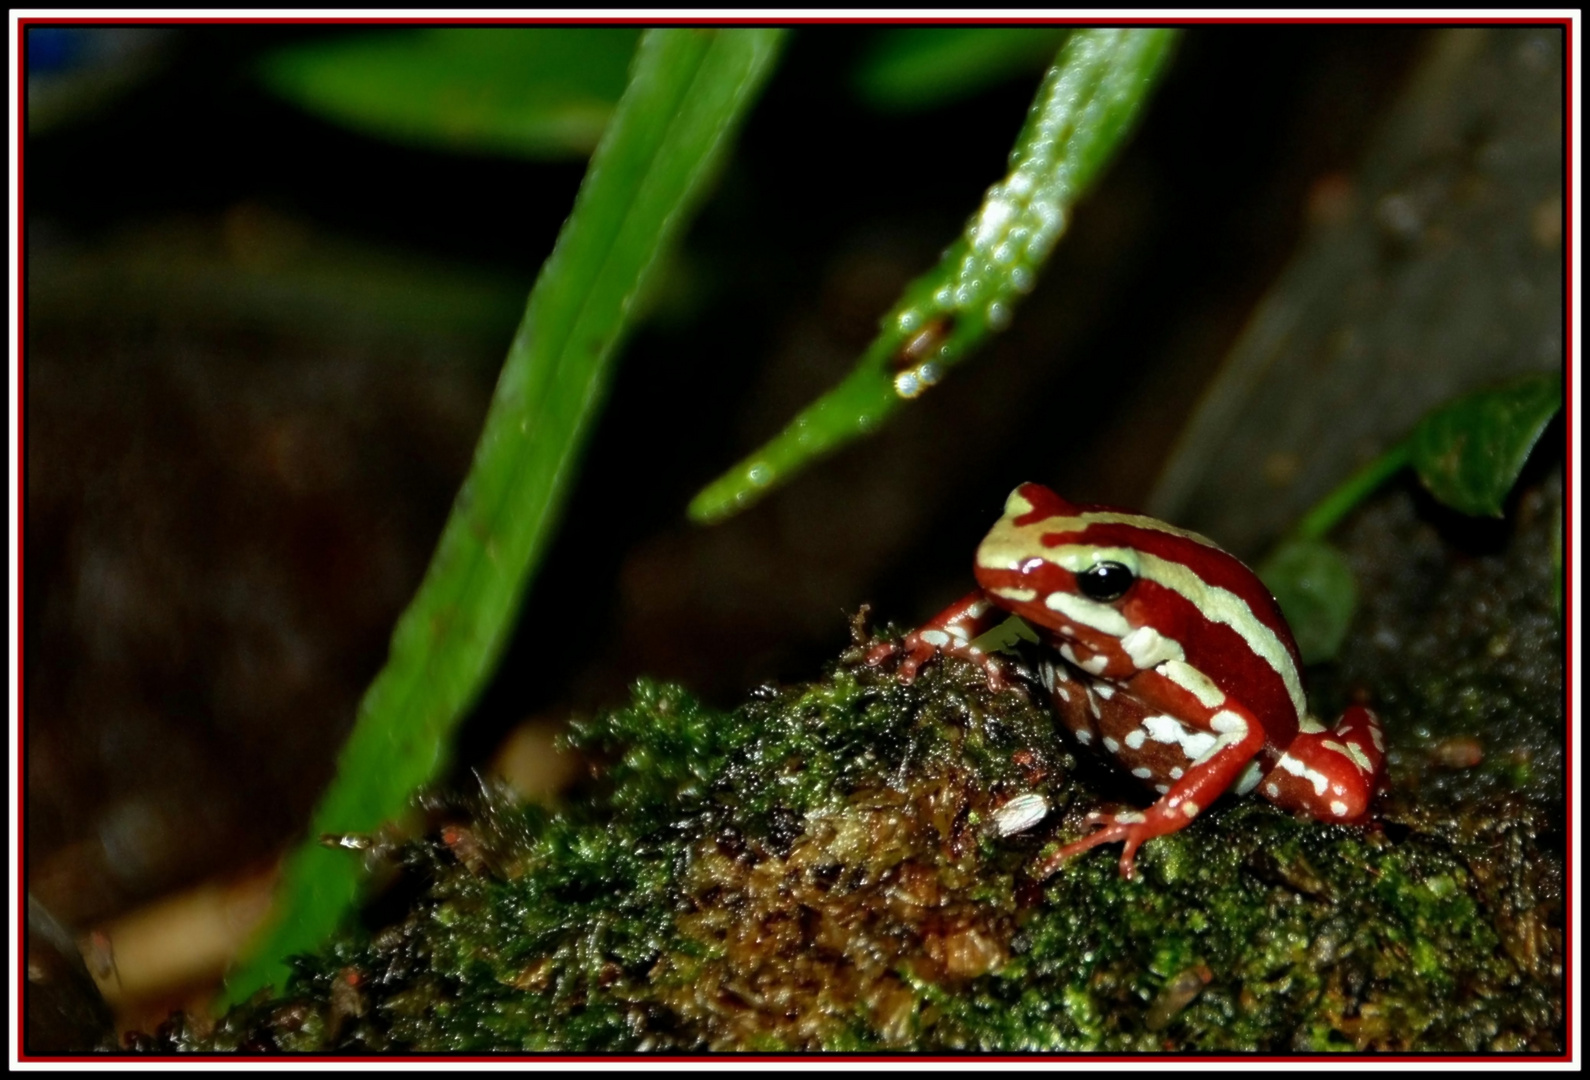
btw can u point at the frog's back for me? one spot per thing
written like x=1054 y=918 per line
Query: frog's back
x=1189 y=589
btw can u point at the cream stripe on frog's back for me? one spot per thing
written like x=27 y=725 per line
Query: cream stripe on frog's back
x=1227 y=608
x=1007 y=544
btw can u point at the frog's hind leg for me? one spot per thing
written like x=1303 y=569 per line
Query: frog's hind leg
x=1330 y=775
x=1227 y=749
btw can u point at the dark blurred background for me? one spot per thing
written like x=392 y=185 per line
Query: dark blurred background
x=259 y=346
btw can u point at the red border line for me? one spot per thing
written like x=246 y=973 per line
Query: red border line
x=1569 y=597
x=21 y=455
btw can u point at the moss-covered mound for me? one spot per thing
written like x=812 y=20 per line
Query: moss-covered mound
x=827 y=868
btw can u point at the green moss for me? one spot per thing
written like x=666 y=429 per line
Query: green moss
x=816 y=870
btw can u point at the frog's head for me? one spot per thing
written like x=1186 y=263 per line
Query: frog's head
x=1039 y=543
x=1128 y=592
x=1037 y=563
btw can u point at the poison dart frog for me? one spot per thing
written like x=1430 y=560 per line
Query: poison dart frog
x=1174 y=658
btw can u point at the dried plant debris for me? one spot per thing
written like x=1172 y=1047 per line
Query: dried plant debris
x=830 y=867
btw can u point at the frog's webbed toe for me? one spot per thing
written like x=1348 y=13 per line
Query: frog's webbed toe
x=950 y=631
x=1130 y=826
x=912 y=651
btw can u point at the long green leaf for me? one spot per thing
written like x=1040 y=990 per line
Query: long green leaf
x=536 y=92
x=1082 y=114
x=918 y=67
x=687 y=92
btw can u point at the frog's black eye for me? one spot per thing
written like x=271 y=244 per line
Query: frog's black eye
x=1105 y=581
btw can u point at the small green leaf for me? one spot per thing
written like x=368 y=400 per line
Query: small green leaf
x=1470 y=451
x=919 y=67
x=535 y=92
x=1005 y=636
x=1315 y=588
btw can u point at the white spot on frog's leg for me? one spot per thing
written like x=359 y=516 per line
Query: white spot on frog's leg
x=937 y=638
x=1148 y=648
x=1374 y=732
x=1310 y=725
x=1338 y=808
x=978 y=609
x=1095 y=665
x=1021 y=596
x=1189 y=809
x=1093 y=705
x=1297 y=768
x=1101 y=617
x=1194 y=682
x=1135 y=737
x=1199 y=746
x=1175 y=772
x=1351 y=751
x=1104 y=690
x=1167 y=729
x=959 y=633
x=1142 y=773
x=1228 y=723
x=1084 y=736
x=1230 y=727
x=1272 y=790
x=1111 y=745
x=1162 y=788
x=1130 y=817
x=1064 y=696
x=1249 y=779
x=1066 y=651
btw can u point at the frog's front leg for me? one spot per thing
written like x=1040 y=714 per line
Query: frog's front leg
x=1330 y=775
x=1238 y=738
x=950 y=631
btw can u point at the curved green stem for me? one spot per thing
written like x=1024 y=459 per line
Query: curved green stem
x=1335 y=506
x=1082 y=114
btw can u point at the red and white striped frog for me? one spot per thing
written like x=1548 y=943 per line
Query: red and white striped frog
x=1176 y=661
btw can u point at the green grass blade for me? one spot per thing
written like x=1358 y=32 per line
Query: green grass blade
x=687 y=91
x=1083 y=112
x=919 y=67
x=536 y=92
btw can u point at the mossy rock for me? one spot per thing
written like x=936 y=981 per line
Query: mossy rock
x=823 y=868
